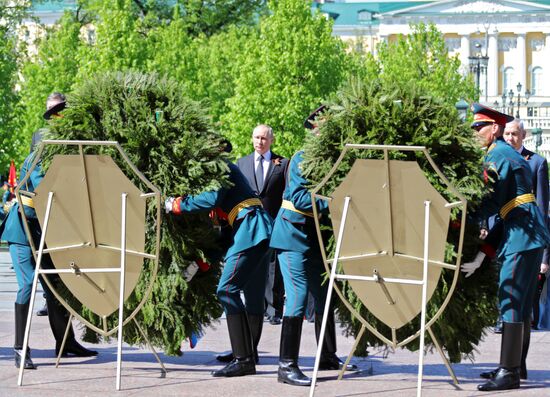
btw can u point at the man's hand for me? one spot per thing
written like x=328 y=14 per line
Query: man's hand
x=483 y=233
x=470 y=267
x=544 y=267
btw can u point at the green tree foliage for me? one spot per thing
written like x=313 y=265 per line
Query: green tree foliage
x=52 y=69
x=283 y=74
x=422 y=57
x=152 y=36
x=207 y=66
x=121 y=40
x=11 y=15
x=382 y=107
x=171 y=141
x=211 y=17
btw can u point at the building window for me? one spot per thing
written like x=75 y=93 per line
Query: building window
x=508 y=79
x=364 y=16
x=536 y=81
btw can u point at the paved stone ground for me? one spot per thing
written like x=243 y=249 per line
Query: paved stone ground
x=189 y=375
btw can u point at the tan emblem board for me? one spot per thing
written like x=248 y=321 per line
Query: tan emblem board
x=87 y=209
x=389 y=219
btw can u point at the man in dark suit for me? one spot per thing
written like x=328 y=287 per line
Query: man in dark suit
x=514 y=134
x=265 y=172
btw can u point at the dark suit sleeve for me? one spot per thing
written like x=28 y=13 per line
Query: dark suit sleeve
x=542 y=190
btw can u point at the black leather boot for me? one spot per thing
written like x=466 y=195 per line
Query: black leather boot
x=21 y=313
x=289 y=372
x=525 y=348
x=256 y=323
x=329 y=359
x=507 y=375
x=58 y=317
x=241 y=344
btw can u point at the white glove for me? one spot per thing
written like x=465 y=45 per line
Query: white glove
x=470 y=267
x=190 y=271
x=169 y=204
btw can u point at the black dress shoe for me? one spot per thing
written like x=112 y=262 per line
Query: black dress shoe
x=488 y=374
x=227 y=358
x=332 y=362
x=492 y=374
x=237 y=367
x=504 y=379
x=43 y=311
x=74 y=348
x=290 y=373
x=275 y=320
x=28 y=364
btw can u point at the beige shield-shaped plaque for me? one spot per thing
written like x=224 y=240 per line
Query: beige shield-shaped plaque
x=384 y=231
x=84 y=229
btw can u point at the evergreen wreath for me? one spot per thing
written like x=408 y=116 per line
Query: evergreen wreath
x=170 y=139
x=385 y=112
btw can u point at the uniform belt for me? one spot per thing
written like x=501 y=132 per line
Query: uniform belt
x=251 y=202
x=27 y=201
x=516 y=202
x=287 y=205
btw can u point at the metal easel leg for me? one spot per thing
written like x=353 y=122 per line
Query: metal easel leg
x=121 y=295
x=34 y=287
x=329 y=295
x=443 y=357
x=69 y=324
x=424 y=297
x=350 y=355
x=164 y=371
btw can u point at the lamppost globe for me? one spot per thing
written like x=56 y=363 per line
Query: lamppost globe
x=462 y=108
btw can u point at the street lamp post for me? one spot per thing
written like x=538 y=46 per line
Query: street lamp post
x=519 y=103
x=537 y=135
x=514 y=101
x=478 y=64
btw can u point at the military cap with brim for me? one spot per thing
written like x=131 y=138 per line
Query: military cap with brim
x=485 y=115
x=312 y=116
x=57 y=106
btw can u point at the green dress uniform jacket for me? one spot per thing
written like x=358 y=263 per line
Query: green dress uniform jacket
x=294 y=230
x=523 y=227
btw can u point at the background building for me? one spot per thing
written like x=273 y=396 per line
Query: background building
x=505 y=45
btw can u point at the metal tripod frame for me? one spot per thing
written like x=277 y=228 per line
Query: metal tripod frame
x=332 y=269
x=38 y=254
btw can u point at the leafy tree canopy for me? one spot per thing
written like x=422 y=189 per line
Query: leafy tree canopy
x=283 y=74
x=11 y=16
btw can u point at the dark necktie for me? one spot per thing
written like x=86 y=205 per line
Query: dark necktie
x=260 y=173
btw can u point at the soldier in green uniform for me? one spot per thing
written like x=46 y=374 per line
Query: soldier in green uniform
x=295 y=241
x=12 y=231
x=523 y=237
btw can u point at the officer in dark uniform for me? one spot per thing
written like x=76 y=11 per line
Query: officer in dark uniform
x=245 y=268
x=12 y=231
x=295 y=240
x=523 y=237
